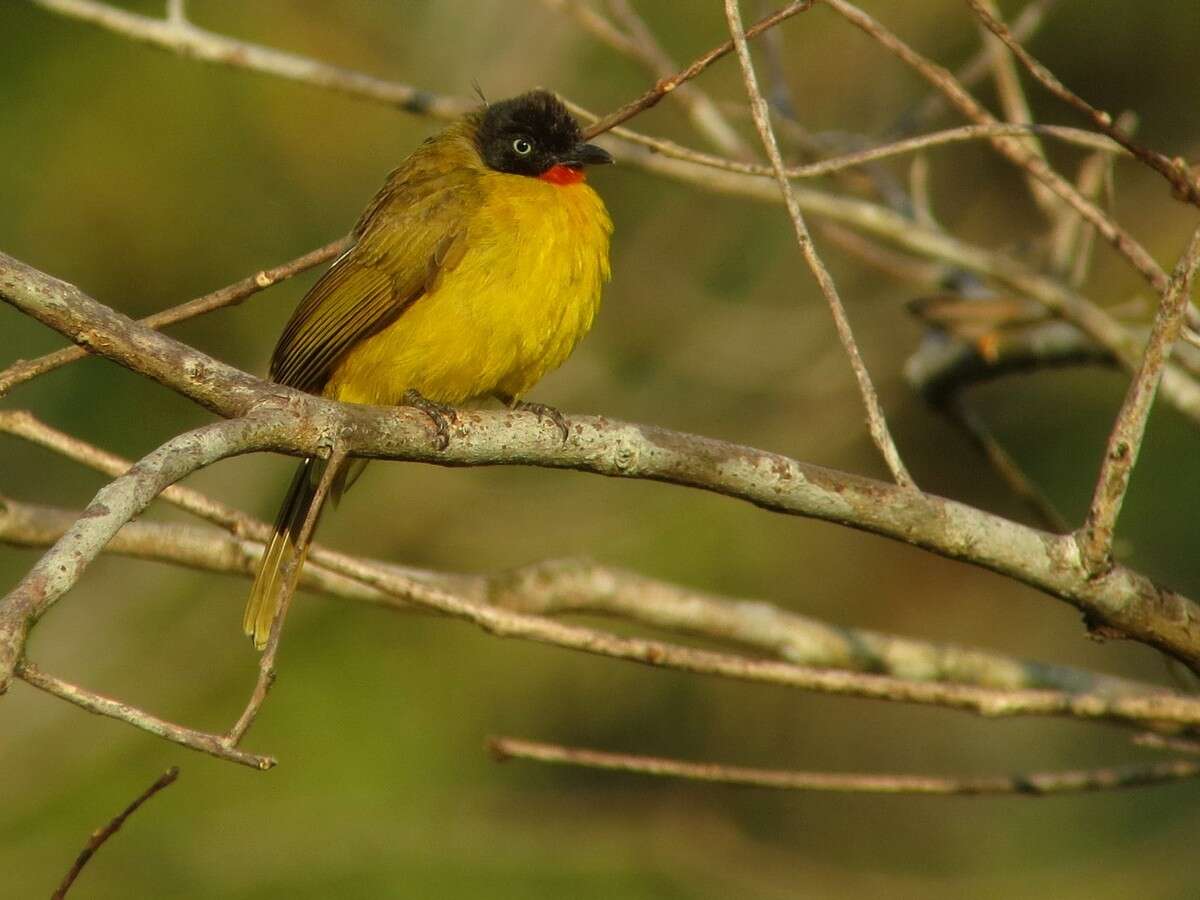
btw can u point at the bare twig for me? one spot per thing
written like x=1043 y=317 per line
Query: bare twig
x=1004 y=465
x=180 y=36
x=876 y=420
x=1024 y=26
x=704 y=113
x=25 y=370
x=639 y=44
x=1125 y=442
x=1176 y=171
x=1016 y=110
x=100 y=835
x=668 y=84
x=1031 y=784
x=211 y=744
x=1009 y=148
x=290 y=577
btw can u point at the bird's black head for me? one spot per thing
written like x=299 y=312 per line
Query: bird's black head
x=531 y=134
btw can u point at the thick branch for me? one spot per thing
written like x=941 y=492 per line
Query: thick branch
x=1122 y=599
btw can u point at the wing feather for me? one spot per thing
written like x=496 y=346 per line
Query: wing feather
x=413 y=232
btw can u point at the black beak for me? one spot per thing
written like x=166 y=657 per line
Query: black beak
x=585 y=155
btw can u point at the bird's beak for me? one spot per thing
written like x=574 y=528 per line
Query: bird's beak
x=585 y=155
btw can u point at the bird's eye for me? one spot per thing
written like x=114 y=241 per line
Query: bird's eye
x=522 y=146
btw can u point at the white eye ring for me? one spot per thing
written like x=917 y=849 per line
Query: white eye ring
x=522 y=146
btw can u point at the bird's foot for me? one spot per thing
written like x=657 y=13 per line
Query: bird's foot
x=542 y=411
x=442 y=416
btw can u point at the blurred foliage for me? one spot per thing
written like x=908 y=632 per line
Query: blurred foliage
x=148 y=179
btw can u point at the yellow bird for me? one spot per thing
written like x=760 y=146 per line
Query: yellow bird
x=475 y=271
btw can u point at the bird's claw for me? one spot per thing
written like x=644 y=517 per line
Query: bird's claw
x=442 y=416
x=542 y=411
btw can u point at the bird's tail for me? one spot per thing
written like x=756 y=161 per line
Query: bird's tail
x=267 y=592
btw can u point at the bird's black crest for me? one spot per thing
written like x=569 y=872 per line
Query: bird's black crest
x=537 y=120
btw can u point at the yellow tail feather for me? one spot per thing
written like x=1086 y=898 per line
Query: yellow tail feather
x=267 y=592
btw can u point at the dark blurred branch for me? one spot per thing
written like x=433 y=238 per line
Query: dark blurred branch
x=1016 y=110
x=1176 y=170
x=1030 y=784
x=876 y=420
x=96 y=841
x=563 y=587
x=1124 y=601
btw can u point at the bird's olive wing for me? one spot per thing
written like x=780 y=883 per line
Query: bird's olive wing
x=411 y=234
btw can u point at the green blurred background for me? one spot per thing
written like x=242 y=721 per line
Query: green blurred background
x=148 y=179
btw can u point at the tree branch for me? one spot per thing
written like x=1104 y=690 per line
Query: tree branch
x=876 y=419
x=1176 y=171
x=563 y=587
x=1123 y=600
x=212 y=744
x=1125 y=441
x=182 y=37
x=96 y=841
x=1031 y=784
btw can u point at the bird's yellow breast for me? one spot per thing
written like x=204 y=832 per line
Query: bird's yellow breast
x=524 y=291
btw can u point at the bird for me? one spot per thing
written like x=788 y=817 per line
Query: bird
x=475 y=270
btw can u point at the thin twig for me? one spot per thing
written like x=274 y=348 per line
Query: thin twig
x=1024 y=26
x=876 y=420
x=100 y=835
x=843 y=162
x=93 y=702
x=666 y=85
x=181 y=36
x=25 y=370
x=1125 y=441
x=704 y=113
x=1071 y=241
x=974 y=427
x=290 y=577
x=639 y=44
x=1016 y=110
x=1176 y=171
x=1009 y=148
x=1031 y=784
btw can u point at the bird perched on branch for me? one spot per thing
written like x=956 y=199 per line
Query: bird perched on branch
x=475 y=271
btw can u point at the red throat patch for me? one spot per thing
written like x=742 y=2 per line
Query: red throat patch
x=562 y=175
